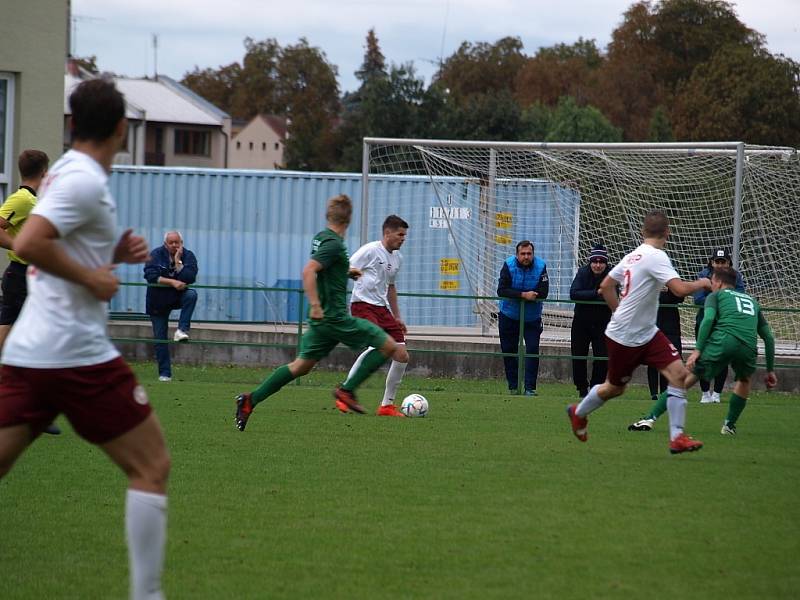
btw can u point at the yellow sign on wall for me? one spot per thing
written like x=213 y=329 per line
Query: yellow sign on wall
x=448 y=284
x=503 y=220
x=449 y=266
x=503 y=240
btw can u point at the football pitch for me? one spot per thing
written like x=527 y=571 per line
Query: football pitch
x=490 y=496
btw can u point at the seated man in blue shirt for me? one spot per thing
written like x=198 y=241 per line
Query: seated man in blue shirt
x=522 y=277
x=174 y=266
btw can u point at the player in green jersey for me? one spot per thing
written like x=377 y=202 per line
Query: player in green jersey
x=727 y=336
x=325 y=279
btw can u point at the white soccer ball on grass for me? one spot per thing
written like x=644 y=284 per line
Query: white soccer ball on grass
x=414 y=405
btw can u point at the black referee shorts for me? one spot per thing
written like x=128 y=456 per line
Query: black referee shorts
x=15 y=290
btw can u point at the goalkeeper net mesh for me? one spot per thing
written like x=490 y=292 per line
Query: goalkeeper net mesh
x=469 y=205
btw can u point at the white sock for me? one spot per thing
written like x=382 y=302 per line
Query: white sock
x=393 y=379
x=676 y=408
x=590 y=403
x=358 y=362
x=146 y=529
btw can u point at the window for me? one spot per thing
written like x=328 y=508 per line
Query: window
x=238 y=145
x=277 y=146
x=190 y=141
x=251 y=145
x=263 y=145
x=6 y=133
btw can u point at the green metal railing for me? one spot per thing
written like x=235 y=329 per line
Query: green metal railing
x=520 y=354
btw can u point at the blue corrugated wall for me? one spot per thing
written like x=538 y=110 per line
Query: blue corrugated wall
x=254 y=228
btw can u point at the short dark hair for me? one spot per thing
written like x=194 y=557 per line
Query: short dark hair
x=655 y=224
x=97 y=107
x=727 y=275
x=32 y=163
x=524 y=244
x=393 y=223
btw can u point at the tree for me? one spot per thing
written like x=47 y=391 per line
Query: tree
x=307 y=89
x=535 y=123
x=374 y=65
x=739 y=95
x=481 y=68
x=255 y=90
x=561 y=70
x=660 y=126
x=216 y=86
x=572 y=123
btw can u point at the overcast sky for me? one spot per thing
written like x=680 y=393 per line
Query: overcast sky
x=209 y=33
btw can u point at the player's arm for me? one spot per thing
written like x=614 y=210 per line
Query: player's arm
x=679 y=287
x=7 y=212
x=391 y=294
x=36 y=244
x=608 y=290
x=765 y=333
x=310 y=288
x=543 y=286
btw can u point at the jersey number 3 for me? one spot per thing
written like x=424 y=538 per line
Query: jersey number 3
x=743 y=305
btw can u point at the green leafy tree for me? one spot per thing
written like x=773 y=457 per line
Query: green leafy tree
x=306 y=86
x=535 y=123
x=572 y=123
x=215 y=85
x=739 y=95
x=660 y=126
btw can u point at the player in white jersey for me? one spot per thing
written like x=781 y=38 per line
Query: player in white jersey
x=632 y=336
x=58 y=359
x=375 y=298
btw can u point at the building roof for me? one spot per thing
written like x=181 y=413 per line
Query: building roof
x=163 y=103
x=132 y=111
x=161 y=100
x=274 y=122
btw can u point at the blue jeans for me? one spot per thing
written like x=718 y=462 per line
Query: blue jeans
x=509 y=339
x=161 y=325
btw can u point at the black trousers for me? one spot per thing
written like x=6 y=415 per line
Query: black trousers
x=587 y=333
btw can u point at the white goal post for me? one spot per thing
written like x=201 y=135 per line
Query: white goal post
x=469 y=203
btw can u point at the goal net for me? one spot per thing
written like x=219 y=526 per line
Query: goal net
x=469 y=203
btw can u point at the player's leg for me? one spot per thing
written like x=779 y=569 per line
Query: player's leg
x=355 y=332
x=508 y=330
x=743 y=361
x=142 y=455
x=13 y=441
x=533 y=334
x=579 y=346
x=662 y=354
x=394 y=377
x=622 y=360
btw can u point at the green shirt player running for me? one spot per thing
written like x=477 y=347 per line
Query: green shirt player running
x=329 y=322
x=727 y=336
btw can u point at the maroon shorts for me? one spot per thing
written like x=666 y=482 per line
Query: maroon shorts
x=623 y=360
x=101 y=401
x=381 y=316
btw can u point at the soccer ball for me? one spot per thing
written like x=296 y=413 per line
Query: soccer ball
x=414 y=405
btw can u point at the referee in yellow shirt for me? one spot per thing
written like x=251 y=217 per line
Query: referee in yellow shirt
x=14 y=212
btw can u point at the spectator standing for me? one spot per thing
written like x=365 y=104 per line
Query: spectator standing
x=174 y=267
x=589 y=320
x=522 y=277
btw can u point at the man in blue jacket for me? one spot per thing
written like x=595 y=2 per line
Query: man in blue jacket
x=174 y=266
x=589 y=321
x=522 y=277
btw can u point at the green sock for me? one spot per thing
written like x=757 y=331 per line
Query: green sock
x=369 y=365
x=659 y=408
x=279 y=378
x=735 y=407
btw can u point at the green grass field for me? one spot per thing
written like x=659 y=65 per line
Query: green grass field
x=489 y=497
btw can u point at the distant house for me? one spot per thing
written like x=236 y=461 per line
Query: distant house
x=258 y=144
x=169 y=125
